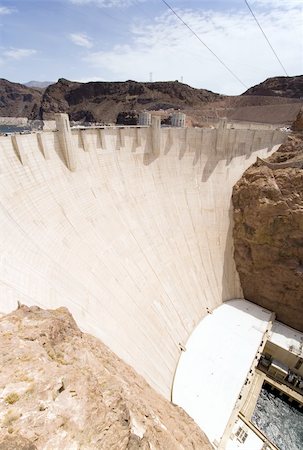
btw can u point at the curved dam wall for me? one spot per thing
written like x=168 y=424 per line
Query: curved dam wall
x=130 y=228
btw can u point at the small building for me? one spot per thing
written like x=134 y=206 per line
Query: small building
x=145 y=118
x=178 y=120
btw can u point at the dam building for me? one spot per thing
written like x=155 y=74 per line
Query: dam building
x=178 y=120
x=130 y=228
x=144 y=118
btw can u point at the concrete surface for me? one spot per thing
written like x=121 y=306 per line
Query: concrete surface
x=287 y=338
x=219 y=355
x=128 y=227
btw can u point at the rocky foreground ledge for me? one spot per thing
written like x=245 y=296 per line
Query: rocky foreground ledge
x=63 y=389
x=268 y=231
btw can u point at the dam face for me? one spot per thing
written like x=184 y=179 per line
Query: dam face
x=129 y=228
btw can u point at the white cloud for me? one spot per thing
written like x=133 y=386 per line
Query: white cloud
x=19 y=53
x=168 y=49
x=81 y=39
x=88 y=79
x=285 y=4
x=5 y=10
x=106 y=3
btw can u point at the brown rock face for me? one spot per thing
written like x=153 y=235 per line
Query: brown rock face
x=268 y=232
x=98 y=101
x=107 y=102
x=103 y=101
x=291 y=87
x=17 y=100
x=63 y=389
x=298 y=123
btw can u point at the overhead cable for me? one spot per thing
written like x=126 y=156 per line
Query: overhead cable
x=203 y=43
x=273 y=50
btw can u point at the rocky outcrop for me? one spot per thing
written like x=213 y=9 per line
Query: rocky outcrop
x=298 y=123
x=108 y=102
x=268 y=232
x=98 y=101
x=127 y=118
x=17 y=100
x=291 y=87
x=63 y=389
x=103 y=101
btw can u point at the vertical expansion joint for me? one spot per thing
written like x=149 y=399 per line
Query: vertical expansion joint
x=156 y=122
x=66 y=140
x=42 y=145
x=156 y=134
x=102 y=138
x=16 y=147
x=138 y=137
x=221 y=135
x=83 y=140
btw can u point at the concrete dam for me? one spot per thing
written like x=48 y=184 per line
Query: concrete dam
x=130 y=228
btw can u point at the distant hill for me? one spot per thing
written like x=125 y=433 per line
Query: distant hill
x=38 y=84
x=105 y=101
x=17 y=100
x=291 y=87
x=250 y=108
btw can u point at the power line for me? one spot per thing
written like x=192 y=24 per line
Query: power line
x=266 y=37
x=203 y=43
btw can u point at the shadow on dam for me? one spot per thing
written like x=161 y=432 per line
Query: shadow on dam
x=226 y=144
x=128 y=227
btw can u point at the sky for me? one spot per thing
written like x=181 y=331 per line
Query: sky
x=118 y=40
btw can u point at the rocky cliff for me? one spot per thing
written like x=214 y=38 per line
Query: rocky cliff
x=268 y=232
x=298 y=123
x=291 y=87
x=17 y=100
x=98 y=101
x=63 y=389
x=103 y=101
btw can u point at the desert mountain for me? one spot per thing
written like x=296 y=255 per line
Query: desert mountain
x=268 y=231
x=291 y=87
x=17 y=100
x=103 y=102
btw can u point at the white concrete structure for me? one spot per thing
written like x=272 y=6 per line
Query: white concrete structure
x=178 y=120
x=287 y=338
x=18 y=121
x=219 y=355
x=49 y=125
x=130 y=228
x=145 y=118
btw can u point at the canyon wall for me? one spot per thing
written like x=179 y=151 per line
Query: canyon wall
x=268 y=232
